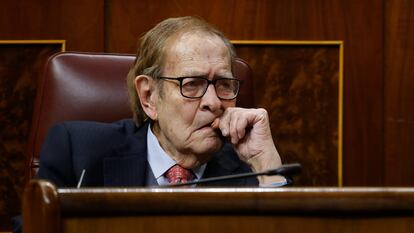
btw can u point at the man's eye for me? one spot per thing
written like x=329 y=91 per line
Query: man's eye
x=225 y=85
x=193 y=82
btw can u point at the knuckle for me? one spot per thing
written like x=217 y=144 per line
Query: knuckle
x=263 y=112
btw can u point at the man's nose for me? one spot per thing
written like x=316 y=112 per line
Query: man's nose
x=210 y=100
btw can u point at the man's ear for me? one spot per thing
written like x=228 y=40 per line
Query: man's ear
x=145 y=87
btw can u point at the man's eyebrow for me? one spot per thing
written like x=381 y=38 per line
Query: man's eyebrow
x=223 y=76
x=193 y=73
x=227 y=75
x=193 y=76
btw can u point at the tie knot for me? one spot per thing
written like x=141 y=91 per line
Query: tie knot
x=177 y=174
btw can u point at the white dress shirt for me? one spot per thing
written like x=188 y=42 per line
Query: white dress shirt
x=160 y=161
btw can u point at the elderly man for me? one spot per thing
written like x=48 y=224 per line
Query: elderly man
x=185 y=127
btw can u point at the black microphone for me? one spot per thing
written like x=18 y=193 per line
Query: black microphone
x=284 y=170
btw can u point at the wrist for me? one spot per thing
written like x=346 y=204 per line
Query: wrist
x=269 y=159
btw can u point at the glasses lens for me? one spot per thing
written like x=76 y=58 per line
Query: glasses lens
x=193 y=87
x=227 y=88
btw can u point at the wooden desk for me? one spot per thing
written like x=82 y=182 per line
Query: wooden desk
x=197 y=210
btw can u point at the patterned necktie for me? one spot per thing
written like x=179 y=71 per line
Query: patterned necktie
x=177 y=174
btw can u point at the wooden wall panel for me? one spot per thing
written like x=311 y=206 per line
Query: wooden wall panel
x=358 y=23
x=399 y=101
x=299 y=86
x=20 y=68
x=80 y=23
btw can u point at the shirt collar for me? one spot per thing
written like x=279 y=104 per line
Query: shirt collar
x=160 y=161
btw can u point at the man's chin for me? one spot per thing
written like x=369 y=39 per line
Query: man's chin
x=206 y=149
x=210 y=145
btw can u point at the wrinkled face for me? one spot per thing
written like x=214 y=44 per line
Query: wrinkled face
x=183 y=125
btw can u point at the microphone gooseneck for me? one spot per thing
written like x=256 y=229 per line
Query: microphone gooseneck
x=284 y=170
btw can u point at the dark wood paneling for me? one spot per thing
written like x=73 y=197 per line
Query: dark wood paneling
x=80 y=23
x=20 y=67
x=399 y=104
x=358 y=23
x=298 y=84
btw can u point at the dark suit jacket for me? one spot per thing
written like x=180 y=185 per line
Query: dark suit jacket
x=115 y=155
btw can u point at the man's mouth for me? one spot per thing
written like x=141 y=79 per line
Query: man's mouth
x=211 y=127
x=211 y=124
x=216 y=130
x=208 y=125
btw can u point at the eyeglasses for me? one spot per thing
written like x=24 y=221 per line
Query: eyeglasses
x=196 y=87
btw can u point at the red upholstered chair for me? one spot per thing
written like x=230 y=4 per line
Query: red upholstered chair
x=91 y=86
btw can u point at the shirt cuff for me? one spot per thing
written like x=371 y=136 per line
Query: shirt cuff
x=275 y=184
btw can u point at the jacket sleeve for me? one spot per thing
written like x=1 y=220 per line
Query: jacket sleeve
x=56 y=163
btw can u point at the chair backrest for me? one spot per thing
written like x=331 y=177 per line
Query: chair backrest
x=92 y=86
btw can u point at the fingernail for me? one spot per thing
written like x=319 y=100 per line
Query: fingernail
x=234 y=140
x=215 y=123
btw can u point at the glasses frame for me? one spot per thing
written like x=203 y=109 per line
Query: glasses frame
x=180 y=79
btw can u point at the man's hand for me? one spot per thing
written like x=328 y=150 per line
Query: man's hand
x=249 y=132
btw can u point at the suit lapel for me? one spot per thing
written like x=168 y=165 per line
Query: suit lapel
x=127 y=165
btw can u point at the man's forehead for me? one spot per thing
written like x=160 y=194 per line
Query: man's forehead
x=196 y=54
x=222 y=69
x=195 y=44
